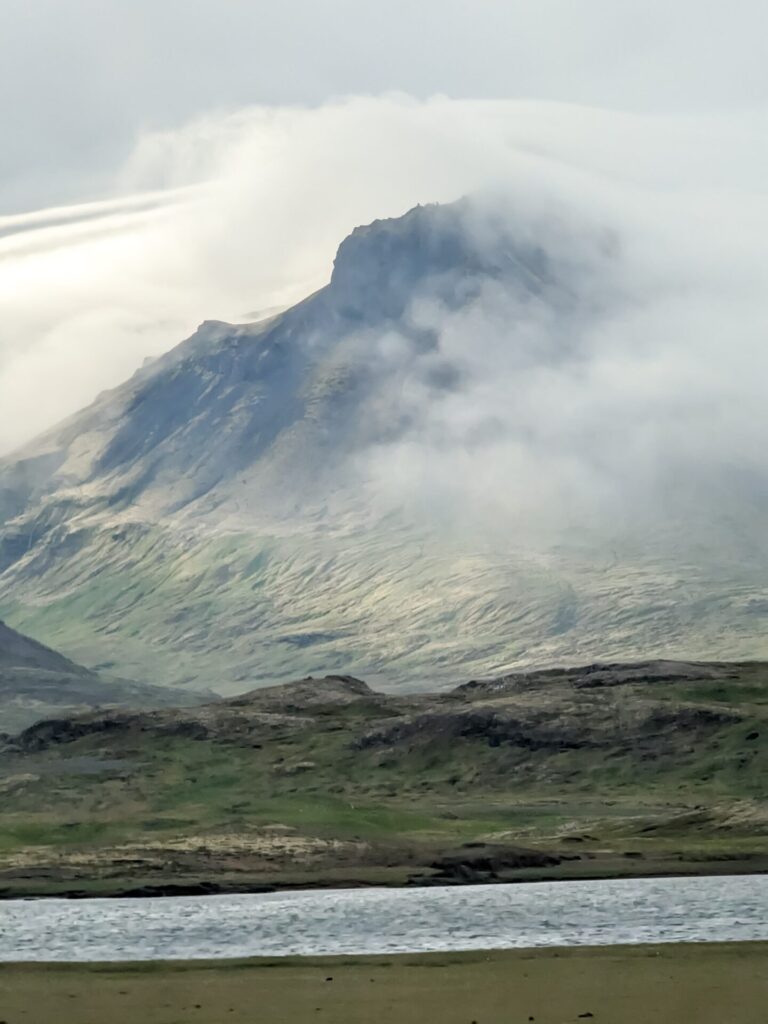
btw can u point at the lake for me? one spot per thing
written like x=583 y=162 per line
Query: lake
x=358 y=921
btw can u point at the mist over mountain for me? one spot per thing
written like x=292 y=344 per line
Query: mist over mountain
x=490 y=440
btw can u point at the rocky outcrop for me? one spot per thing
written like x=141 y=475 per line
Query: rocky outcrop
x=307 y=694
x=480 y=862
x=494 y=726
x=605 y=675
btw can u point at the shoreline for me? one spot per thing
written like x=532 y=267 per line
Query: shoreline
x=211 y=887
x=425 y=959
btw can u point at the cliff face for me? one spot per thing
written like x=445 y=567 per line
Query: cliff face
x=249 y=506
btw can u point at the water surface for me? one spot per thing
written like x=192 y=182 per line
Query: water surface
x=388 y=920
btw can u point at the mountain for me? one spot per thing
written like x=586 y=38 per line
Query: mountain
x=400 y=476
x=603 y=770
x=37 y=682
x=21 y=652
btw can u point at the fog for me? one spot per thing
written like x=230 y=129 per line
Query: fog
x=636 y=406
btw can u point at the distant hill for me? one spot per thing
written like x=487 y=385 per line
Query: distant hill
x=18 y=651
x=378 y=480
x=37 y=682
x=605 y=770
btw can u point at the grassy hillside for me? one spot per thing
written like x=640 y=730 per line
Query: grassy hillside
x=605 y=770
x=193 y=605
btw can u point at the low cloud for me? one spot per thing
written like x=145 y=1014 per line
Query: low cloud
x=634 y=410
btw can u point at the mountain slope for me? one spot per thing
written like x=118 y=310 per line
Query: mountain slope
x=366 y=482
x=37 y=682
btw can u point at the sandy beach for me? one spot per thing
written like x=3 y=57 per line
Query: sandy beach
x=664 y=984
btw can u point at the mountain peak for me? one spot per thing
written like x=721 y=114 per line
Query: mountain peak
x=437 y=250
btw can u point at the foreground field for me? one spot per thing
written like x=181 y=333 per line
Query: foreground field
x=668 y=984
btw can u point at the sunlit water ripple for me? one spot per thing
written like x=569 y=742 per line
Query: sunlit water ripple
x=388 y=920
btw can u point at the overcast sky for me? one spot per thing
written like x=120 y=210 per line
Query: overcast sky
x=80 y=80
x=206 y=156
